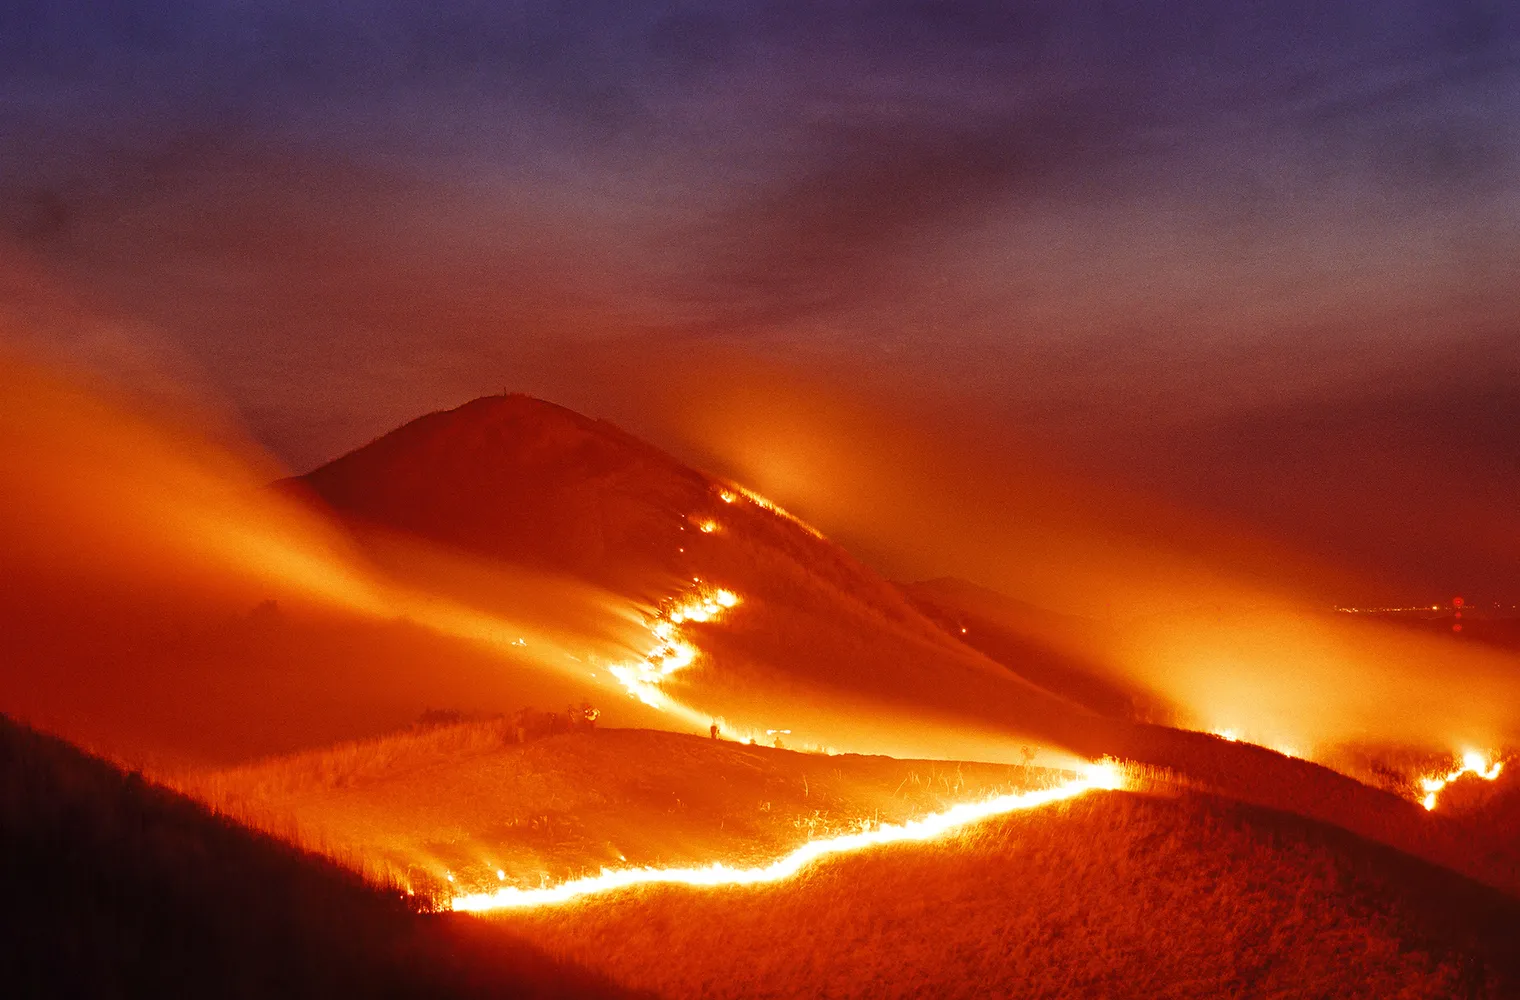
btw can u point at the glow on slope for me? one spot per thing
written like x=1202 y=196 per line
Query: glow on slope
x=729 y=496
x=671 y=653
x=1472 y=763
x=1097 y=776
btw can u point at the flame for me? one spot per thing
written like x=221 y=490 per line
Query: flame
x=1098 y=776
x=672 y=653
x=1473 y=762
x=728 y=496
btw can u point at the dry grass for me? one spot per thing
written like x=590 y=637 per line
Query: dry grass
x=462 y=800
x=1119 y=895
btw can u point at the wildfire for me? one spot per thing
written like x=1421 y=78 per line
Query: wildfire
x=1097 y=776
x=670 y=653
x=729 y=495
x=1472 y=763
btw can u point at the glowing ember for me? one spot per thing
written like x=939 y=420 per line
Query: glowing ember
x=708 y=527
x=1472 y=763
x=1097 y=776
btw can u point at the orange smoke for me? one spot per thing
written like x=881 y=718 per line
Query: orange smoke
x=137 y=543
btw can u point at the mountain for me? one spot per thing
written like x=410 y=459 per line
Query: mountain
x=819 y=644
x=117 y=887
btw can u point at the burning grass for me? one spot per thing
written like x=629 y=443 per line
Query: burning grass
x=466 y=801
x=1114 y=895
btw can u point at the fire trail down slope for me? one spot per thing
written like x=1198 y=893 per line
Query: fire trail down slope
x=117 y=887
x=1114 y=895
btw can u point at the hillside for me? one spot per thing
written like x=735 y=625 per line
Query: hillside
x=117 y=887
x=467 y=800
x=819 y=644
x=1115 y=895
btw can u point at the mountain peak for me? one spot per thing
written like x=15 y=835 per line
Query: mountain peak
x=527 y=481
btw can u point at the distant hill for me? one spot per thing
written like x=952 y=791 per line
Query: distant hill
x=116 y=887
x=1060 y=652
x=821 y=645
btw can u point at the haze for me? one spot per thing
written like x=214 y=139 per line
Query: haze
x=1247 y=262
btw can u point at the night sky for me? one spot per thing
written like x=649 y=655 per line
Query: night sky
x=1249 y=265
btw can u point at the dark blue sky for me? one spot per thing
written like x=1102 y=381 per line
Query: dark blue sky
x=1260 y=259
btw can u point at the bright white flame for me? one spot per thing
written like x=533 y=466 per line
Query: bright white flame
x=1105 y=776
x=1473 y=762
x=671 y=654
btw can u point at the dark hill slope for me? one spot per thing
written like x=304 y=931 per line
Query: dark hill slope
x=530 y=482
x=116 y=887
x=1113 y=896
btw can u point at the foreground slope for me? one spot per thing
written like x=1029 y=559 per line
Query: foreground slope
x=468 y=801
x=115 y=887
x=1115 y=895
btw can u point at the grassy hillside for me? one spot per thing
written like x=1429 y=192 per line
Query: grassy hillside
x=466 y=800
x=1115 y=895
x=117 y=887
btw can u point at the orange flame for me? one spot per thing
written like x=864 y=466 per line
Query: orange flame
x=671 y=653
x=1473 y=762
x=728 y=496
x=1105 y=776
